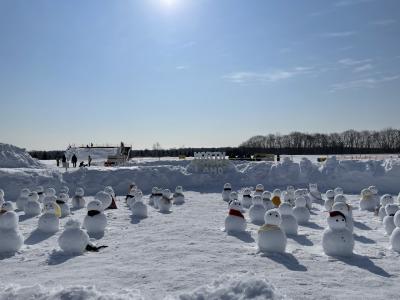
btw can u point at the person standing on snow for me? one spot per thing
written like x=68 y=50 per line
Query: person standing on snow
x=74 y=160
x=89 y=160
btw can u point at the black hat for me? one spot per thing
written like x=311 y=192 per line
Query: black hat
x=336 y=213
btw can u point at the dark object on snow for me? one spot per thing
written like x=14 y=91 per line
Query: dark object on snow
x=89 y=160
x=113 y=204
x=278 y=157
x=64 y=159
x=234 y=212
x=93 y=248
x=92 y=213
x=82 y=164
x=74 y=160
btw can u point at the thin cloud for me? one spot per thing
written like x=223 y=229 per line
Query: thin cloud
x=344 y=3
x=265 y=77
x=370 y=83
x=341 y=34
x=353 y=62
x=385 y=22
x=182 y=67
x=363 y=68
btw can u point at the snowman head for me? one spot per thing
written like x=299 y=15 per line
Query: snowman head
x=64 y=190
x=300 y=202
x=273 y=217
x=246 y=192
x=9 y=220
x=40 y=189
x=1 y=193
x=33 y=196
x=257 y=200
x=290 y=189
x=236 y=205
x=330 y=194
x=285 y=209
x=227 y=186
x=49 y=199
x=259 y=188
x=179 y=189
x=154 y=190
x=276 y=193
x=132 y=185
x=233 y=196
x=138 y=195
x=50 y=207
x=386 y=199
x=7 y=206
x=50 y=192
x=338 y=191
x=95 y=205
x=25 y=192
x=391 y=209
x=109 y=190
x=72 y=224
x=336 y=220
x=340 y=198
x=288 y=199
x=341 y=207
x=298 y=193
x=104 y=198
x=63 y=197
x=266 y=195
x=373 y=189
x=80 y=192
x=166 y=193
x=366 y=193
x=397 y=219
x=313 y=187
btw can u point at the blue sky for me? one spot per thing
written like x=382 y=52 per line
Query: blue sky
x=194 y=72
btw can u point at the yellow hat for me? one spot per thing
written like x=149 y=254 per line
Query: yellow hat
x=276 y=200
x=57 y=209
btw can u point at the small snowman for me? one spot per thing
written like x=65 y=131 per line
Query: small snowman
x=266 y=198
x=179 y=197
x=62 y=201
x=385 y=200
x=257 y=211
x=395 y=236
x=287 y=198
x=375 y=194
x=337 y=240
x=32 y=206
x=235 y=221
x=309 y=201
x=300 y=211
x=314 y=193
x=367 y=201
x=345 y=209
x=158 y=196
x=109 y=190
x=247 y=200
x=23 y=198
x=234 y=196
x=165 y=202
x=136 y=195
x=271 y=238
x=290 y=191
x=388 y=220
x=48 y=199
x=338 y=191
x=1 y=197
x=105 y=199
x=330 y=200
x=259 y=190
x=50 y=192
x=226 y=192
x=64 y=190
x=41 y=193
x=78 y=201
x=49 y=221
x=289 y=222
x=11 y=240
x=152 y=197
x=138 y=208
x=95 y=221
x=73 y=240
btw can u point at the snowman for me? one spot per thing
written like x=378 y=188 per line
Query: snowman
x=165 y=202
x=338 y=191
x=49 y=221
x=109 y=190
x=314 y=193
x=73 y=240
x=367 y=201
x=345 y=209
x=179 y=197
x=343 y=199
x=78 y=201
x=157 y=197
x=257 y=211
x=105 y=199
x=375 y=194
x=50 y=192
x=1 y=197
x=11 y=240
x=289 y=222
x=62 y=202
x=226 y=192
x=395 y=236
x=41 y=193
x=32 y=206
x=388 y=220
x=154 y=191
x=300 y=211
x=290 y=190
x=64 y=190
x=337 y=240
x=247 y=200
x=287 y=198
x=235 y=221
x=266 y=198
x=23 y=198
x=385 y=200
x=138 y=208
x=271 y=238
x=330 y=200
x=95 y=221
x=234 y=196
x=259 y=190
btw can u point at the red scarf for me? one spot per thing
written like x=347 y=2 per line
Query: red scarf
x=234 y=212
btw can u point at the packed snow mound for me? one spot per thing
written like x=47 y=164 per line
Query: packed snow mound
x=39 y=292
x=14 y=157
x=234 y=289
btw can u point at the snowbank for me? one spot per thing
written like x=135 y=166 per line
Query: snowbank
x=14 y=157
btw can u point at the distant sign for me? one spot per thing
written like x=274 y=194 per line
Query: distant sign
x=210 y=162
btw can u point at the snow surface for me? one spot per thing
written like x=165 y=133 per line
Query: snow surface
x=185 y=255
x=14 y=157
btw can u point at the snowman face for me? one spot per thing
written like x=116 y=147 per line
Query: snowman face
x=233 y=196
x=72 y=224
x=330 y=194
x=337 y=222
x=257 y=200
x=277 y=192
x=80 y=192
x=179 y=190
x=138 y=195
x=64 y=190
x=300 y=202
x=259 y=187
x=266 y=195
x=290 y=189
x=391 y=209
x=246 y=192
x=285 y=209
x=298 y=193
x=342 y=207
x=227 y=186
x=25 y=192
x=154 y=190
x=63 y=197
x=366 y=193
x=397 y=219
x=95 y=205
x=386 y=199
x=7 y=206
x=50 y=192
x=373 y=189
x=40 y=189
x=50 y=207
x=167 y=193
x=273 y=217
x=50 y=199
x=109 y=190
x=313 y=187
x=338 y=191
x=340 y=198
x=33 y=196
x=235 y=204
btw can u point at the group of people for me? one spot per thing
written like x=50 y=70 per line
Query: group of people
x=74 y=161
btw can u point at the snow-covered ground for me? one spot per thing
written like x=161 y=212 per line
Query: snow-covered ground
x=186 y=255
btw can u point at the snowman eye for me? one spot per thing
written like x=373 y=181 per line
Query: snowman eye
x=337 y=220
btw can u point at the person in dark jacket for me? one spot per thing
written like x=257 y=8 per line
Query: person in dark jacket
x=74 y=160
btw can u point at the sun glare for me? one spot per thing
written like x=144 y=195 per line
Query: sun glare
x=168 y=2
